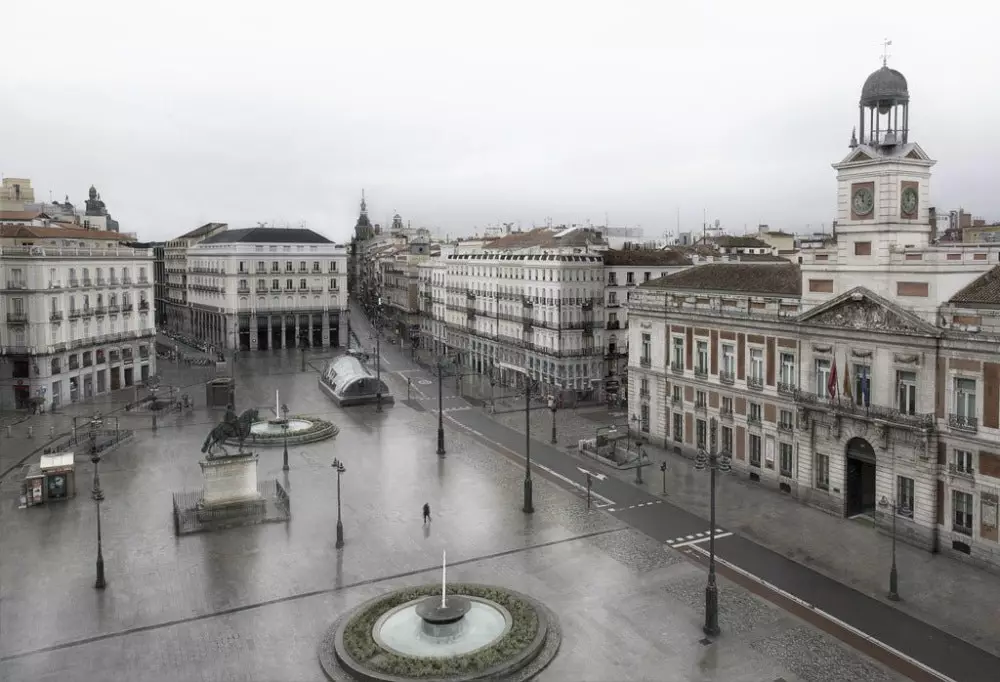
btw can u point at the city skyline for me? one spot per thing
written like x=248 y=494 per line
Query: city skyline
x=642 y=117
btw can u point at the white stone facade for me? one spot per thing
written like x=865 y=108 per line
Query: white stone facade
x=77 y=317
x=259 y=295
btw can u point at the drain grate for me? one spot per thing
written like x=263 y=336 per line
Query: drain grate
x=705 y=641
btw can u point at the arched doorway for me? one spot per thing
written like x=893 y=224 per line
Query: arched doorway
x=860 y=485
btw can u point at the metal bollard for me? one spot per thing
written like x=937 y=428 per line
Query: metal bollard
x=154 y=423
x=52 y=432
x=8 y=432
x=31 y=432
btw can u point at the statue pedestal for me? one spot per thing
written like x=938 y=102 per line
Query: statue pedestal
x=230 y=480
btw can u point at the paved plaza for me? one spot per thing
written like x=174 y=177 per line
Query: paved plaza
x=251 y=603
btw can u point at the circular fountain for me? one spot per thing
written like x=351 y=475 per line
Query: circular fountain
x=295 y=430
x=473 y=632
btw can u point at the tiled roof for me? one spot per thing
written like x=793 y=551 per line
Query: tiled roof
x=984 y=290
x=58 y=231
x=783 y=279
x=760 y=258
x=201 y=231
x=645 y=257
x=269 y=235
x=697 y=250
x=22 y=215
x=745 y=242
x=547 y=237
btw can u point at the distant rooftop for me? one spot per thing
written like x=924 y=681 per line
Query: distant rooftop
x=544 y=237
x=730 y=242
x=268 y=235
x=784 y=278
x=637 y=257
x=201 y=231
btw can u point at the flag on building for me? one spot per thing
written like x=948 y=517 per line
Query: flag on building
x=831 y=384
x=847 y=383
x=866 y=388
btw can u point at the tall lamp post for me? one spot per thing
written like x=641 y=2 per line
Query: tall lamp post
x=713 y=461
x=552 y=407
x=378 y=356
x=440 y=373
x=894 y=509
x=493 y=385
x=529 y=506
x=339 y=466
x=98 y=495
x=284 y=454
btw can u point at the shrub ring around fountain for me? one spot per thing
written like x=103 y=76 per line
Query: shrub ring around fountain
x=319 y=429
x=349 y=650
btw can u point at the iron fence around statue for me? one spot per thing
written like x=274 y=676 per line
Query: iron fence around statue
x=191 y=516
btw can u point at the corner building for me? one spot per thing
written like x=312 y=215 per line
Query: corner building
x=865 y=380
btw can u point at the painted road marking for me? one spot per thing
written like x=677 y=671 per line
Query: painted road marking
x=599 y=477
x=425 y=382
x=820 y=612
x=544 y=468
x=634 y=506
x=691 y=543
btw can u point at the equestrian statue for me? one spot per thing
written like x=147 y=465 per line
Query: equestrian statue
x=230 y=427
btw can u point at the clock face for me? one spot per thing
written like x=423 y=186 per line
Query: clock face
x=864 y=201
x=909 y=201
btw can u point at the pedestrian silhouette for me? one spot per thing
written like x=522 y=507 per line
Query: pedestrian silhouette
x=427 y=513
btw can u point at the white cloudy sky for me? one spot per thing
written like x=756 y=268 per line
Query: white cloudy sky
x=461 y=114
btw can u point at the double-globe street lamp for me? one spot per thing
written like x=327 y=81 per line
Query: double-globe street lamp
x=713 y=461
x=98 y=496
x=895 y=509
x=339 y=466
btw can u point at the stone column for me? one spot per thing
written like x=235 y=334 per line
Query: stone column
x=326 y=328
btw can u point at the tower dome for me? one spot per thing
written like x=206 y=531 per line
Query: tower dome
x=884 y=88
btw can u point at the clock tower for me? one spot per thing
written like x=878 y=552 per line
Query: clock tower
x=883 y=184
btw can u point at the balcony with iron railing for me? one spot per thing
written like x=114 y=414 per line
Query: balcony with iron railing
x=644 y=393
x=962 y=422
x=726 y=414
x=727 y=378
x=787 y=388
x=677 y=401
x=100 y=311
x=755 y=383
x=645 y=362
x=957 y=471
x=869 y=413
x=785 y=426
x=753 y=420
x=101 y=282
x=614 y=324
x=143 y=306
x=701 y=371
x=74 y=313
x=17 y=317
x=56 y=316
x=87 y=282
x=73 y=282
x=700 y=406
x=677 y=369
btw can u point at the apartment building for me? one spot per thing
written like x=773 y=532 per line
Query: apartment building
x=76 y=312
x=267 y=288
x=178 y=312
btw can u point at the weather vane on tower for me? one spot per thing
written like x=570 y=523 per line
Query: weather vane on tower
x=885 y=51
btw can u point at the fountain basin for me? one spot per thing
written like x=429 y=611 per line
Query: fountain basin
x=360 y=644
x=403 y=630
x=301 y=429
x=275 y=427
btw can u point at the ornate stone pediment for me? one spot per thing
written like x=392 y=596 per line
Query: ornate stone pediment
x=863 y=310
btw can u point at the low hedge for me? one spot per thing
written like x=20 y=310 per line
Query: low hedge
x=362 y=647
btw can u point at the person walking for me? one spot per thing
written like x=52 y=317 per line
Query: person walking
x=427 y=513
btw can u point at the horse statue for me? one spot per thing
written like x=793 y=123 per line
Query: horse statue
x=230 y=427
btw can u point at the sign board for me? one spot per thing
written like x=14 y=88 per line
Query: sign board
x=612 y=385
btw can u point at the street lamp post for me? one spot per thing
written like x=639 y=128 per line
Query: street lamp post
x=895 y=509
x=378 y=356
x=339 y=466
x=440 y=448
x=552 y=407
x=284 y=455
x=98 y=496
x=493 y=384
x=529 y=506
x=714 y=461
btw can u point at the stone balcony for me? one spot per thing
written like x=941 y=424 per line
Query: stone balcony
x=871 y=413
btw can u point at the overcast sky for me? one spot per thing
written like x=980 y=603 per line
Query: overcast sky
x=462 y=114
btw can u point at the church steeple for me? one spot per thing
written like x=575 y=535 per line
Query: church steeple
x=363 y=228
